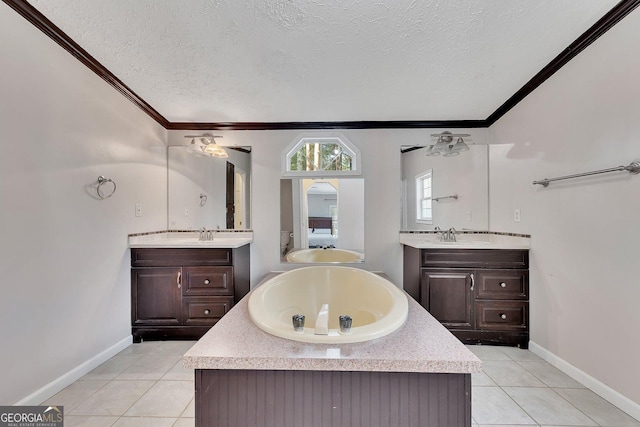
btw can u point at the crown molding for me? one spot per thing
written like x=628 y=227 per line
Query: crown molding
x=604 y=24
x=393 y=124
x=41 y=22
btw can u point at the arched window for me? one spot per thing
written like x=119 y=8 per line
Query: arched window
x=321 y=155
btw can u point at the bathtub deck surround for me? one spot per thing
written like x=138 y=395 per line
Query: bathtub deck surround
x=421 y=361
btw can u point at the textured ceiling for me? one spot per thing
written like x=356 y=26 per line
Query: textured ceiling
x=324 y=60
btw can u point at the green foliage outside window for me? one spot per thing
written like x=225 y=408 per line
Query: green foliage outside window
x=319 y=156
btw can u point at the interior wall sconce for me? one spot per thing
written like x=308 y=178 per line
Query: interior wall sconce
x=448 y=144
x=206 y=144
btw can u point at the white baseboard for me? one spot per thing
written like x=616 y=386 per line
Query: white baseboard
x=76 y=373
x=598 y=387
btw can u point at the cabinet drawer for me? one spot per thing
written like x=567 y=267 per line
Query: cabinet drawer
x=207 y=281
x=475 y=258
x=179 y=257
x=205 y=311
x=502 y=284
x=502 y=315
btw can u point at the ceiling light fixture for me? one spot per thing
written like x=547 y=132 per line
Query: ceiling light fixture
x=207 y=145
x=444 y=144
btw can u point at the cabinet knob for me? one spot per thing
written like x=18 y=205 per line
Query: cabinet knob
x=503 y=285
x=207 y=311
x=503 y=316
x=206 y=281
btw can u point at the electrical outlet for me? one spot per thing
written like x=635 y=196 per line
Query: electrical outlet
x=186 y=211
x=138 y=209
x=516 y=215
x=468 y=215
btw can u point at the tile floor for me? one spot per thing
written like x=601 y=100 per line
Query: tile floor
x=146 y=385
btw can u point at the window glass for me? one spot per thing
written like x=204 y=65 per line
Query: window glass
x=424 y=189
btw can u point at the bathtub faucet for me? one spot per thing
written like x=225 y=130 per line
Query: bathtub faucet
x=322 y=321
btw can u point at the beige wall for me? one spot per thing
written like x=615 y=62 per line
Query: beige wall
x=64 y=258
x=585 y=233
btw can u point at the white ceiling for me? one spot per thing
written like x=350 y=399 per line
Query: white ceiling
x=324 y=60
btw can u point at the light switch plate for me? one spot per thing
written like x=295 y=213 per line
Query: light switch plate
x=516 y=215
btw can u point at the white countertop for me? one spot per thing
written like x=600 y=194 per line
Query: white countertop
x=190 y=239
x=466 y=240
x=422 y=344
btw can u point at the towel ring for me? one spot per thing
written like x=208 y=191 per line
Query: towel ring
x=101 y=181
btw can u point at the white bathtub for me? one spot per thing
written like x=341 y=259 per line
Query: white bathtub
x=324 y=255
x=376 y=305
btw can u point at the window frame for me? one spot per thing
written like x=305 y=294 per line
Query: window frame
x=419 y=180
x=325 y=138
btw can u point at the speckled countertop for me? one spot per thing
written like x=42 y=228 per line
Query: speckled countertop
x=190 y=239
x=421 y=345
x=466 y=240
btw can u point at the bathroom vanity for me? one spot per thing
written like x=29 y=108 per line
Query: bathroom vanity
x=477 y=287
x=181 y=286
x=419 y=375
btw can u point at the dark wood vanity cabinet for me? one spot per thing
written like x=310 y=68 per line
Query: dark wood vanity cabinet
x=480 y=295
x=181 y=293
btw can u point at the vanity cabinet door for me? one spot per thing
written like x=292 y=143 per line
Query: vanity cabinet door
x=448 y=295
x=156 y=296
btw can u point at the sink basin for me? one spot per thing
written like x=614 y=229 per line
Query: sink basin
x=376 y=305
x=462 y=242
x=324 y=255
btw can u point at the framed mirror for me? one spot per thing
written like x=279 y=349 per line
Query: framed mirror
x=457 y=194
x=206 y=191
x=321 y=220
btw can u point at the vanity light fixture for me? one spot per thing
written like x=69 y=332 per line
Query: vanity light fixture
x=208 y=145
x=445 y=146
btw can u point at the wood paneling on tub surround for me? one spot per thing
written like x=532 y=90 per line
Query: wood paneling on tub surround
x=614 y=16
x=251 y=398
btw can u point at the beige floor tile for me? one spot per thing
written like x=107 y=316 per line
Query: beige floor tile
x=147 y=347
x=190 y=411
x=149 y=367
x=88 y=421
x=508 y=373
x=75 y=394
x=144 y=422
x=487 y=352
x=603 y=412
x=550 y=375
x=115 y=398
x=164 y=399
x=112 y=367
x=179 y=373
x=185 y=422
x=519 y=354
x=173 y=348
x=546 y=406
x=481 y=379
x=491 y=405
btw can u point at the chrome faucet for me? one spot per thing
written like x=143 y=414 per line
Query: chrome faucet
x=206 y=234
x=448 y=235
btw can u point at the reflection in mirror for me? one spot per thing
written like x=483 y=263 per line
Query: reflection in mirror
x=209 y=192
x=464 y=176
x=323 y=217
